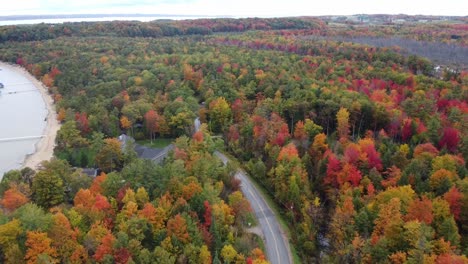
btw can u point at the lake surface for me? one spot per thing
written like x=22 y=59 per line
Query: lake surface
x=22 y=114
x=93 y=19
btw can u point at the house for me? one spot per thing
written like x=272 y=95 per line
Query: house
x=144 y=152
x=147 y=152
x=91 y=172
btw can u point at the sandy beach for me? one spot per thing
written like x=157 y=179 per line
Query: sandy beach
x=44 y=149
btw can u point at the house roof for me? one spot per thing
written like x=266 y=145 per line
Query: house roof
x=144 y=152
x=90 y=171
x=147 y=152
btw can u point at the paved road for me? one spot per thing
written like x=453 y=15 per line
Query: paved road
x=276 y=243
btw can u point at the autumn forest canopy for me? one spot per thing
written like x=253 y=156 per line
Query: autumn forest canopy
x=361 y=146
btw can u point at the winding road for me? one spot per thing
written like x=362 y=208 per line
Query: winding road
x=276 y=243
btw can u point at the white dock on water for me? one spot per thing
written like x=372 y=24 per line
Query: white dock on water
x=20 y=138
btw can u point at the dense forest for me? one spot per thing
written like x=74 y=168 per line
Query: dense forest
x=362 y=148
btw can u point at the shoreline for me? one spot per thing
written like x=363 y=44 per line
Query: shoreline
x=44 y=148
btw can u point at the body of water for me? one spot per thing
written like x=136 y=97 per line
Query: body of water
x=92 y=19
x=22 y=115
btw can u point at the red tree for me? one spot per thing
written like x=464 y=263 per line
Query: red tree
x=420 y=210
x=450 y=139
x=454 y=198
x=237 y=111
x=288 y=153
x=101 y=203
x=82 y=123
x=207 y=214
x=13 y=199
x=105 y=248
x=122 y=256
x=349 y=173
x=177 y=226
x=333 y=168
x=151 y=122
x=352 y=153
x=54 y=72
x=407 y=129
x=198 y=136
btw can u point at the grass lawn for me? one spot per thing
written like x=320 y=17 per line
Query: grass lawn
x=157 y=143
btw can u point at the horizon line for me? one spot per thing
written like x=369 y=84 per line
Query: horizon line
x=80 y=15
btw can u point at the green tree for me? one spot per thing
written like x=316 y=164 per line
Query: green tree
x=47 y=189
x=112 y=184
x=33 y=217
x=69 y=137
x=110 y=157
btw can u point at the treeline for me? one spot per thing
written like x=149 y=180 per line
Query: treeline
x=158 y=28
x=361 y=147
x=441 y=53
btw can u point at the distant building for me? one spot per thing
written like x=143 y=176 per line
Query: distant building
x=399 y=21
x=353 y=18
x=364 y=18
x=1 y=85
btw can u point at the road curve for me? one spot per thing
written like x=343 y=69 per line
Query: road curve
x=276 y=243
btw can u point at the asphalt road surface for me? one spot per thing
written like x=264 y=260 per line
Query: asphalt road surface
x=276 y=243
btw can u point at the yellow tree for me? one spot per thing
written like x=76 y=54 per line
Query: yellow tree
x=64 y=238
x=342 y=228
x=318 y=147
x=61 y=115
x=141 y=197
x=9 y=233
x=220 y=113
x=240 y=205
x=342 y=118
x=38 y=244
x=125 y=123
x=228 y=253
x=155 y=216
x=389 y=224
x=205 y=255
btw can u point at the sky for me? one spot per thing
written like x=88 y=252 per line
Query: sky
x=237 y=8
